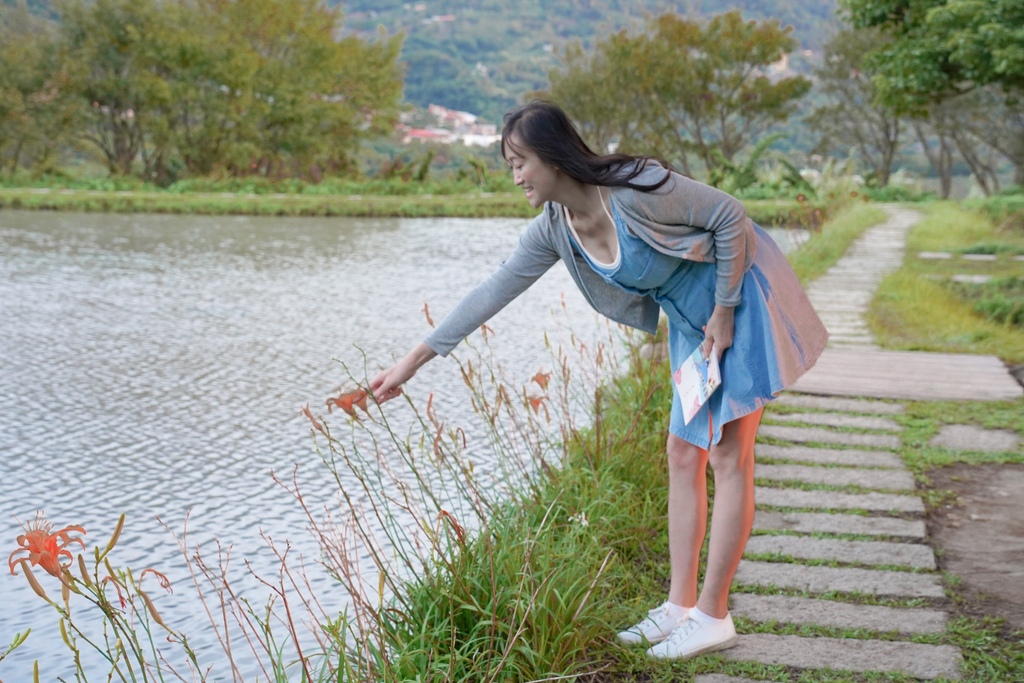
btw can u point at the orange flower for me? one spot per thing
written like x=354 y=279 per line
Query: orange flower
x=537 y=403
x=316 y=423
x=347 y=400
x=542 y=379
x=44 y=547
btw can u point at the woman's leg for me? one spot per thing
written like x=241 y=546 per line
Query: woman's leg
x=687 y=517
x=732 y=461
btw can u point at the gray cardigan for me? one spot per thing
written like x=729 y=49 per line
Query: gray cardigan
x=683 y=218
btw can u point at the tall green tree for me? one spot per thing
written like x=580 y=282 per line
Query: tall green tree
x=944 y=48
x=596 y=89
x=268 y=83
x=113 y=48
x=37 y=103
x=237 y=86
x=851 y=119
x=682 y=87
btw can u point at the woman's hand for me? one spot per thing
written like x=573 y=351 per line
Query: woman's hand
x=387 y=384
x=718 y=331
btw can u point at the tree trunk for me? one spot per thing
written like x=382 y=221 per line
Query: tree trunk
x=984 y=174
x=941 y=159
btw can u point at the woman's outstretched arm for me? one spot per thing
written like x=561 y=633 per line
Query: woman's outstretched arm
x=532 y=257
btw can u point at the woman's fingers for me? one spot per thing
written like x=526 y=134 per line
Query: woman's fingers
x=387 y=385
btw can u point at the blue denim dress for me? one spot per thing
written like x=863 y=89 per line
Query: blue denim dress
x=766 y=324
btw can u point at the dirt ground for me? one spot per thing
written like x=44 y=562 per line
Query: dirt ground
x=980 y=537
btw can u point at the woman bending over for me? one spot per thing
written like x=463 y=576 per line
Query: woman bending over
x=640 y=239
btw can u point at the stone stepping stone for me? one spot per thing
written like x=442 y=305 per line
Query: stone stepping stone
x=843 y=324
x=843 y=405
x=851 y=294
x=846 y=332
x=910 y=375
x=837 y=500
x=836 y=476
x=828 y=523
x=921 y=661
x=974 y=438
x=722 y=678
x=864 y=339
x=786 y=609
x=896 y=480
x=837 y=420
x=830 y=456
x=1019 y=257
x=935 y=255
x=809 y=434
x=838 y=305
x=972 y=279
x=843 y=579
x=979 y=257
x=862 y=552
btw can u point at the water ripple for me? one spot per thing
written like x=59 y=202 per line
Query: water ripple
x=155 y=365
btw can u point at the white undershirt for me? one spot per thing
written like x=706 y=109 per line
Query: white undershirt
x=568 y=220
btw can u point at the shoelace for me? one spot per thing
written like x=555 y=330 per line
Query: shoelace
x=663 y=608
x=651 y=614
x=687 y=625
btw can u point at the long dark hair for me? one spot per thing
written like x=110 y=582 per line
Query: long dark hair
x=544 y=129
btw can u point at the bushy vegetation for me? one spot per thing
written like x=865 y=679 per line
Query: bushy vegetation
x=999 y=301
x=192 y=87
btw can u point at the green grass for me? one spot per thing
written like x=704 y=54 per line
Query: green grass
x=478 y=205
x=920 y=308
x=369 y=199
x=537 y=565
x=923 y=419
x=817 y=255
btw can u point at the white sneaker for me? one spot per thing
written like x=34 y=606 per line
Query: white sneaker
x=656 y=627
x=694 y=636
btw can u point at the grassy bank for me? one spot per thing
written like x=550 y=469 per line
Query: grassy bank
x=582 y=549
x=406 y=204
x=475 y=205
x=923 y=307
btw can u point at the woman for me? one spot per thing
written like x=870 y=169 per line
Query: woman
x=638 y=239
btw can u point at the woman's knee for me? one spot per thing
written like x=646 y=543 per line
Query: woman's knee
x=735 y=451
x=684 y=457
x=731 y=459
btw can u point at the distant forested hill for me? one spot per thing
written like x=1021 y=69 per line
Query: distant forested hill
x=483 y=55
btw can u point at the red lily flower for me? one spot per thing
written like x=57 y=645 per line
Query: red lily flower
x=45 y=547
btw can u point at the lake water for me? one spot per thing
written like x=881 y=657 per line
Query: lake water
x=156 y=365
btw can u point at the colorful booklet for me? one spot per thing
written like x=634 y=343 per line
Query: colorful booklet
x=697 y=378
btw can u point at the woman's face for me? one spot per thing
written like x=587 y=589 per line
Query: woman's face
x=536 y=178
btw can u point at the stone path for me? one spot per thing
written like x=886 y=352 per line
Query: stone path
x=853 y=365
x=840 y=547
x=843 y=294
x=822 y=558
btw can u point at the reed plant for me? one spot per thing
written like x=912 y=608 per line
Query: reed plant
x=482 y=574
x=130 y=632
